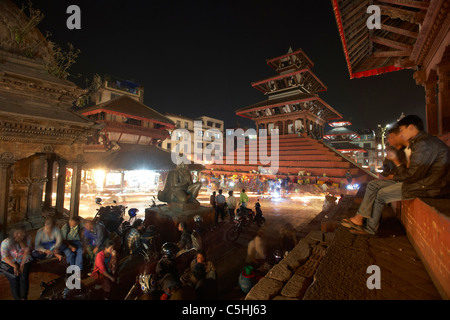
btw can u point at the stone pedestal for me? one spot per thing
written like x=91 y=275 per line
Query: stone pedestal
x=186 y=206
x=167 y=219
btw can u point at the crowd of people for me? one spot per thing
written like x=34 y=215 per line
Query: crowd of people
x=417 y=165
x=95 y=251
x=223 y=206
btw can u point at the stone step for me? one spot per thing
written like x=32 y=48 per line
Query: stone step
x=301 y=157
x=300 y=163
x=291 y=170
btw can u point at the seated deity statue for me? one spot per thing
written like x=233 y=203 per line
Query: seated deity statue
x=179 y=187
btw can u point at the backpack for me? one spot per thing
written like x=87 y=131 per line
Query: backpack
x=197 y=243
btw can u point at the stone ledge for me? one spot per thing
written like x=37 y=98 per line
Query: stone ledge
x=265 y=289
x=291 y=277
x=296 y=287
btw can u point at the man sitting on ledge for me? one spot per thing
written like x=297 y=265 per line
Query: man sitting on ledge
x=427 y=176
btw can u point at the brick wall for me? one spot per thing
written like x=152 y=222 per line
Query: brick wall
x=446 y=138
x=429 y=231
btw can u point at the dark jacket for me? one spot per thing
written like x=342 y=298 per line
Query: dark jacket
x=389 y=166
x=428 y=173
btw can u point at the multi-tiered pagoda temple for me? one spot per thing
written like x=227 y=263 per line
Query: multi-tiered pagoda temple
x=293 y=104
x=294 y=107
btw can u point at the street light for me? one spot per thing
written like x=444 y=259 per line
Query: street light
x=383 y=131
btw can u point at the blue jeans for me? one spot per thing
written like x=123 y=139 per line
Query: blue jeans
x=19 y=284
x=378 y=193
x=74 y=258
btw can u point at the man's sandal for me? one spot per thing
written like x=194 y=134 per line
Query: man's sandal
x=349 y=224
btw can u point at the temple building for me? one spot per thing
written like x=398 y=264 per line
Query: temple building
x=293 y=104
x=294 y=107
x=124 y=155
x=41 y=138
x=412 y=35
x=341 y=138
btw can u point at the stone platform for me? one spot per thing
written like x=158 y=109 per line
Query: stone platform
x=331 y=263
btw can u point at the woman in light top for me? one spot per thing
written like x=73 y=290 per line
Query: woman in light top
x=16 y=261
x=48 y=241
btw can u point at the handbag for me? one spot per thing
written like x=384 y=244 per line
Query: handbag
x=7 y=269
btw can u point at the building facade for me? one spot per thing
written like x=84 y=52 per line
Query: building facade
x=200 y=137
x=41 y=138
x=124 y=156
x=294 y=109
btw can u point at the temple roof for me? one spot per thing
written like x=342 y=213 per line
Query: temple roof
x=129 y=107
x=11 y=107
x=130 y=157
x=144 y=157
x=302 y=79
x=346 y=146
x=32 y=42
x=340 y=131
x=391 y=48
x=298 y=102
x=340 y=123
x=293 y=59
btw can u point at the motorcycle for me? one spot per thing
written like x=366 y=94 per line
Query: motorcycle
x=125 y=225
x=111 y=216
x=147 y=286
x=243 y=218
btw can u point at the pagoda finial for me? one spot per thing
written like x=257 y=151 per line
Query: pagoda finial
x=290 y=50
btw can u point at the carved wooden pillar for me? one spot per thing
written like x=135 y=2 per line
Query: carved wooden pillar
x=6 y=161
x=60 y=187
x=49 y=183
x=76 y=187
x=431 y=108
x=444 y=93
x=35 y=191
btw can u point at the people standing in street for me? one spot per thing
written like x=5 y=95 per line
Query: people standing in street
x=220 y=203
x=212 y=200
x=243 y=198
x=231 y=204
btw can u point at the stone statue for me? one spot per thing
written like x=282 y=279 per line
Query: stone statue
x=179 y=190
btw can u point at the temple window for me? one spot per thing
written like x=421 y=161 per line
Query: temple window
x=134 y=122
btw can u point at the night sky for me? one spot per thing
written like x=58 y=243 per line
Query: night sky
x=199 y=57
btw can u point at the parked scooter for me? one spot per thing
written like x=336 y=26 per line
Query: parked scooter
x=148 y=286
x=111 y=216
x=243 y=218
x=125 y=225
